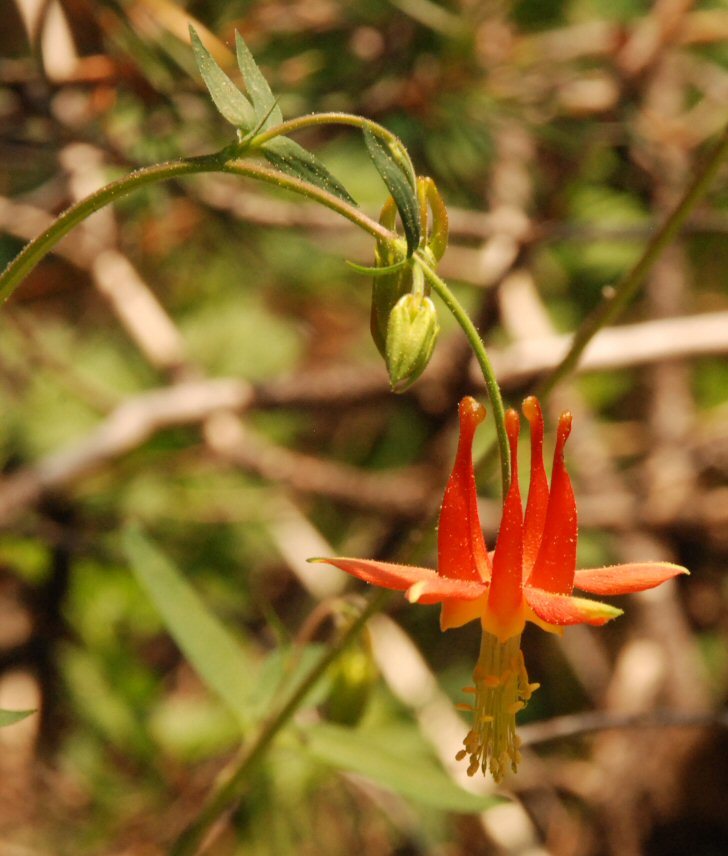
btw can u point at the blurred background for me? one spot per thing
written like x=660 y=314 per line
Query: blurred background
x=198 y=358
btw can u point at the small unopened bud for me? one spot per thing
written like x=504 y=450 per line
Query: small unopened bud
x=411 y=334
x=352 y=678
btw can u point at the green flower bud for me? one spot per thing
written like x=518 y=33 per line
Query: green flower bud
x=352 y=678
x=411 y=334
x=405 y=336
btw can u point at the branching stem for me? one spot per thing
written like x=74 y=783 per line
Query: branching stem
x=39 y=247
x=236 y=778
x=618 y=297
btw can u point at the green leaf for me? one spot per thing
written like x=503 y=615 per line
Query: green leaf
x=397 y=174
x=229 y=100
x=215 y=655
x=9 y=717
x=415 y=778
x=267 y=112
x=289 y=157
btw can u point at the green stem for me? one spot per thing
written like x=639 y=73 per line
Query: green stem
x=623 y=292
x=35 y=250
x=335 y=118
x=235 y=780
x=491 y=382
x=314 y=119
x=39 y=247
x=310 y=191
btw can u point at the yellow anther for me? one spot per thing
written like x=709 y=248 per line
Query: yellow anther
x=501 y=691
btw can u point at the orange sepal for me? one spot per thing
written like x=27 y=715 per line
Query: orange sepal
x=564 y=609
x=422 y=584
x=624 y=579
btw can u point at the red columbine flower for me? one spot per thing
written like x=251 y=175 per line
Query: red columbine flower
x=530 y=577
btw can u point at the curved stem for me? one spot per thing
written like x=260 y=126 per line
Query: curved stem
x=39 y=247
x=314 y=119
x=35 y=250
x=622 y=293
x=310 y=191
x=476 y=343
x=234 y=778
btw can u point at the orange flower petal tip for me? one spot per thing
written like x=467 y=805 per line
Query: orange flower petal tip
x=513 y=423
x=564 y=428
x=469 y=408
x=531 y=408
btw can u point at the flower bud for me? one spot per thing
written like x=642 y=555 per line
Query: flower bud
x=352 y=678
x=411 y=334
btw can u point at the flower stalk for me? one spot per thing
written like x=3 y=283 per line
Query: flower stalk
x=443 y=291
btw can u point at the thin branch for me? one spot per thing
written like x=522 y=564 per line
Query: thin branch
x=233 y=780
x=125 y=429
x=617 y=298
x=578 y=724
x=212 y=403
x=620 y=347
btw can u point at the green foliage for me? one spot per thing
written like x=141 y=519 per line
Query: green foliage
x=191 y=729
x=395 y=168
x=229 y=100
x=603 y=259
x=380 y=758
x=237 y=336
x=292 y=159
x=267 y=112
x=711 y=382
x=251 y=119
x=211 y=649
